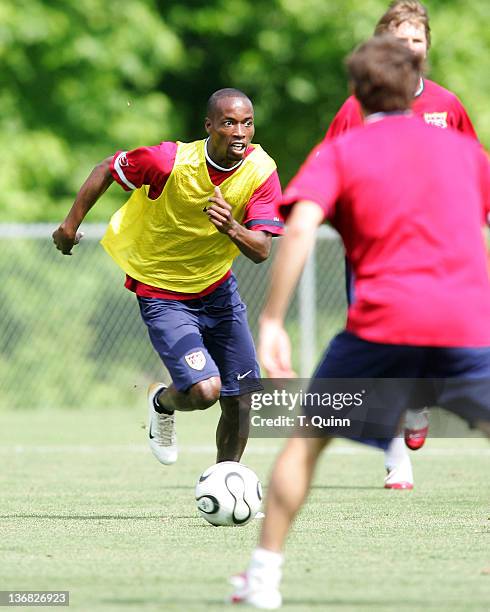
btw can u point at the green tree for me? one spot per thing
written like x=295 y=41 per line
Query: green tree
x=81 y=79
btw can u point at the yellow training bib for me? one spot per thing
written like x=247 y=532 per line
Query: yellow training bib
x=169 y=242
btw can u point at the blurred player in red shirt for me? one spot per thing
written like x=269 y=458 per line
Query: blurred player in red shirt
x=408 y=20
x=409 y=202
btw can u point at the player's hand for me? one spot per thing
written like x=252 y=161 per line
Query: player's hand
x=220 y=213
x=274 y=349
x=66 y=238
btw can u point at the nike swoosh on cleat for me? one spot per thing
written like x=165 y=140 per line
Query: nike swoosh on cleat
x=240 y=376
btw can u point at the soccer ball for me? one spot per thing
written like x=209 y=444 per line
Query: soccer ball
x=228 y=493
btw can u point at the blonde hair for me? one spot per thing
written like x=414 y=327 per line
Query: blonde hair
x=400 y=11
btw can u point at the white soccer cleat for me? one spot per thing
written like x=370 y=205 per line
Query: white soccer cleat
x=400 y=477
x=416 y=428
x=161 y=429
x=259 y=590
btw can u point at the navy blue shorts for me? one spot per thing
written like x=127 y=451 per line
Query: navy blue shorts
x=200 y=338
x=458 y=379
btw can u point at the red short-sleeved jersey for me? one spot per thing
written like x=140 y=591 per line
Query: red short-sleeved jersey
x=409 y=202
x=435 y=104
x=152 y=166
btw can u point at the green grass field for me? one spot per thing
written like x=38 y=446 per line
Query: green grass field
x=86 y=508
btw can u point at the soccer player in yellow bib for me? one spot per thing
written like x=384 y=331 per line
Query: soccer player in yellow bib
x=194 y=207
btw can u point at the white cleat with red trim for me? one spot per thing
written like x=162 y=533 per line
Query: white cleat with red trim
x=257 y=589
x=400 y=477
x=416 y=428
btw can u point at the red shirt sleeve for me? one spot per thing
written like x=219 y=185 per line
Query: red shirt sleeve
x=348 y=116
x=463 y=121
x=318 y=180
x=144 y=166
x=262 y=210
x=485 y=174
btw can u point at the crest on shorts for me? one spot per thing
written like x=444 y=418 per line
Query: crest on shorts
x=196 y=360
x=437 y=119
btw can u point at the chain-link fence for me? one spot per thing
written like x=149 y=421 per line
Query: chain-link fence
x=71 y=335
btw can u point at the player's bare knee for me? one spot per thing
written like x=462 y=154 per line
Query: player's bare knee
x=206 y=393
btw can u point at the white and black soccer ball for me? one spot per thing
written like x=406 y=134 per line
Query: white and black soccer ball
x=228 y=493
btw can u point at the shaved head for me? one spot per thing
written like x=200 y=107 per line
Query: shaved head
x=230 y=126
x=221 y=94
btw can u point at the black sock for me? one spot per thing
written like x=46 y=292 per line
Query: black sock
x=159 y=408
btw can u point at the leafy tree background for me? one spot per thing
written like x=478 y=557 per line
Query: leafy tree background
x=81 y=79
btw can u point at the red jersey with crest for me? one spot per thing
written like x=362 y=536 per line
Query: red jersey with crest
x=435 y=104
x=409 y=202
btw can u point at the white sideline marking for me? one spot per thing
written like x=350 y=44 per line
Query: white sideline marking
x=198 y=449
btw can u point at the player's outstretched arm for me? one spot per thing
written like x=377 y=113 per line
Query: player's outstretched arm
x=274 y=348
x=256 y=245
x=66 y=236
